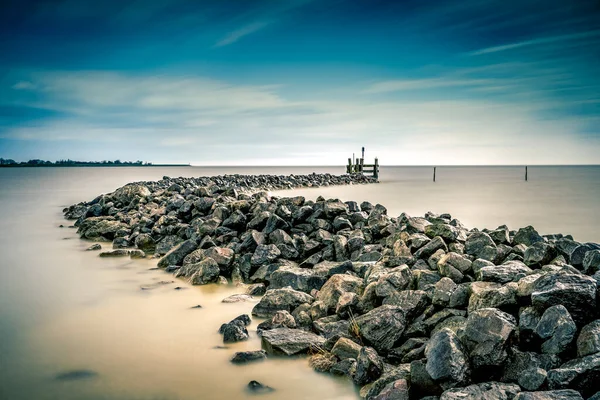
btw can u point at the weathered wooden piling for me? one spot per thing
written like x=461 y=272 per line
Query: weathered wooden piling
x=358 y=166
x=526 y=173
x=434 y=173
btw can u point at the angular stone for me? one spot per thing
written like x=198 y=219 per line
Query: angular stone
x=492 y=295
x=487 y=335
x=539 y=254
x=527 y=236
x=346 y=348
x=280 y=299
x=550 y=395
x=369 y=366
x=290 y=341
x=581 y=374
x=487 y=390
x=532 y=379
x=176 y=256
x=576 y=292
x=557 y=329
x=382 y=327
x=511 y=271
x=588 y=341
x=447 y=362
x=336 y=286
x=244 y=357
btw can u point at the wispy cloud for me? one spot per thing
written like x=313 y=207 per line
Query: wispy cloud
x=207 y=121
x=537 y=41
x=236 y=35
x=23 y=85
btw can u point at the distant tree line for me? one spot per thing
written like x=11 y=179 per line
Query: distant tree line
x=69 y=163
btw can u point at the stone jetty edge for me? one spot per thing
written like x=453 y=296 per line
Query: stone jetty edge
x=406 y=307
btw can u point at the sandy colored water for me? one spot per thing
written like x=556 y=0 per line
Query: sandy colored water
x=65 y=309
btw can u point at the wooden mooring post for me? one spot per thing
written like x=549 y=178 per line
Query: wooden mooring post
x=526 y=173
x=358 y=166
x=434 y=173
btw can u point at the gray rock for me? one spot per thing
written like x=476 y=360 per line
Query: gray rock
x=265 y=254
x=176 y=255
x=591 y=262
x=285 y=299
x=244 y=357
x=532 y=379
x=581 y=374
x=256 y=289
x=476 y=244
x=577 y=256
x=234 y=332
x=145 y=243
x=94 y=247
x=511 y=271
x=345 y=348
x=431 y=247
x=527 y=236
x=382 y=327
x=115 y=253
x=557 y=329
x=369 y=366
x=576 y=292
x=345 y=367
x=447 y=362
x=396 y=390
x=301 y=279
x=487 y=335
x=588 y=341
x=337 y=285
x=290 y=341
x=412 y=302
x=238 y=298
x=539 y=254
x=255 y=387
x=549 y=395
x=487 y=390
x=207 y=271
x=421 y=382
x=492 y=295
x=447 y=232
x=443 y=292
x=519 y=361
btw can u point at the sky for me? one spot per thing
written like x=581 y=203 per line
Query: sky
x=301 y=82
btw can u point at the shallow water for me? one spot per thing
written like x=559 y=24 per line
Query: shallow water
x=66 y=311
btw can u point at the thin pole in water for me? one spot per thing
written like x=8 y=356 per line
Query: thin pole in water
x=434 y=174
x=526 y=173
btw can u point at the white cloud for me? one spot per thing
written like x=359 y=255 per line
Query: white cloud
x=537 y=41
x=236 y=35
x=209 y=121
x=23 y=85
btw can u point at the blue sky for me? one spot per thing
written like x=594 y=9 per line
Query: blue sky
x=293 y=82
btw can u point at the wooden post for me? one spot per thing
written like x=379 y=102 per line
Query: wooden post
x=349 y=167
x=434 y=174
x=363 y=153
x=526 y=173
x=376 y=169
x=362 y=163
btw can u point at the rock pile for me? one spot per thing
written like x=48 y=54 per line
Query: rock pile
x=406 y=307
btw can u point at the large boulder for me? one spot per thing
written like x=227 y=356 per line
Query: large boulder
x=557 y=329
x=176 y=255
x=336 y=286
x=588 y=341
x=290 y=341
x=382 y=327
x=576 y=292
x=510 y=271
x=265 y=254
x=527 y=236
x=581 y=374
x=206 y=271
x=487 y=335
x=478 y=244
x=285 y=299
x=591 y=262
x=369 y=366
x=431 y=247
x=301 y=279
x=487 y=390
x=345 y=348
x=129 y=192
x=447 y=362
x=550 y=395
x=447 y=232
x=539 y=254
x=493 y=295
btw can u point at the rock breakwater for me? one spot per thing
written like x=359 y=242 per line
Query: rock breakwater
x=406 y=307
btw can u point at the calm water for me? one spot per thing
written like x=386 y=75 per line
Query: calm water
x=64 y=309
